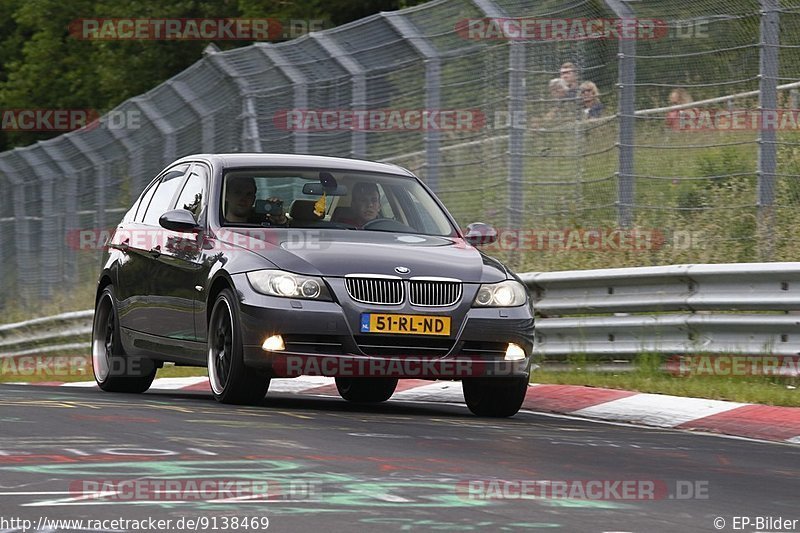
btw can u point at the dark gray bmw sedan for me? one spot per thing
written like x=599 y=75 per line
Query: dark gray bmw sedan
x=262 y=266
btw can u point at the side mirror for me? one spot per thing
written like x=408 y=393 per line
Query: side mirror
x=180 y=220
x=479 y=233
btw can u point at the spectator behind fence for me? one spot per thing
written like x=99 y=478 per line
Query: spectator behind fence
x=569 y=73
x=558 y=98
x=678 y=96
x=590 y=97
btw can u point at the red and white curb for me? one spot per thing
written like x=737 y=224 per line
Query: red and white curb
x=659 y=410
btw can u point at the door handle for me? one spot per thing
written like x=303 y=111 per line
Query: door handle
x=123 y=246
x=155 y=251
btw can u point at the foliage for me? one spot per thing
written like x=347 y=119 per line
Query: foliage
x=43 y=66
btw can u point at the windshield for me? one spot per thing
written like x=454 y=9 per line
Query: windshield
x=347 y=200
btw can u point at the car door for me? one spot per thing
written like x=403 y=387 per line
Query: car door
x=177 y=265
x=141 y=306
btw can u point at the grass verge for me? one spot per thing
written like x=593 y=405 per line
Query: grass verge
x=73 y=368
x=646 y=377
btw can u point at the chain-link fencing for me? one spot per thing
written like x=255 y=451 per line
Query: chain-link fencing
x=591 y=133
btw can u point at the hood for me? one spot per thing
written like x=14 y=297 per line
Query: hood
x=335 y=253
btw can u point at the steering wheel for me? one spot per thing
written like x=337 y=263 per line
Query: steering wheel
x=387 y=224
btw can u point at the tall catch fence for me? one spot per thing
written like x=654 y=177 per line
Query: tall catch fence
x=557 y=179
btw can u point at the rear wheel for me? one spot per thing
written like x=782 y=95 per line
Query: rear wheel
x=113 y=370
x=366 y=390
x=231 y=381
x=495 y=397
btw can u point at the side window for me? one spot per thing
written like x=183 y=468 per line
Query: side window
x=165 y=192
x=192 y=196
x=141 y=207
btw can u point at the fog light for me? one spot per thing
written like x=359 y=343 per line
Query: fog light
x=514 y=352
x=275 y=344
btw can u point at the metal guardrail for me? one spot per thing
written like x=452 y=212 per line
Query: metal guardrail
x=746 y=308
x=743 y=308
x=48 y=334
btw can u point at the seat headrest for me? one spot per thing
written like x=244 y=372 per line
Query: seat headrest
x=342 y=212
x=303 y=210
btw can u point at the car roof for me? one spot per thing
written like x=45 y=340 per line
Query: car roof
x=296 y=160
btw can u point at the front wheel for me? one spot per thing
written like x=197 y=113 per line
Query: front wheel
x=231 y=381
x=113 y=370
x=495 y=397
x=366 y=390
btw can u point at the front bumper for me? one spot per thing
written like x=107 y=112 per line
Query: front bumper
x=322 y=339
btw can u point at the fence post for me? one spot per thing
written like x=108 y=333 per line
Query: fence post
x=517 y=96
x=22 y=239
x=251 y=138
x=69 y=207
x=48 y=241
x=160 y=123
x=433 y=71
x=359 y=95
x=627 y=121
x=99 y=167
x=299 y=86
x=204 y=115
x=767 y=102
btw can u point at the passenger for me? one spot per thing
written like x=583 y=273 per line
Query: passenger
x=240 y=196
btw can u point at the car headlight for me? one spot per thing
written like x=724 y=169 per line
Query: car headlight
x=504 y=294
x=288 y=285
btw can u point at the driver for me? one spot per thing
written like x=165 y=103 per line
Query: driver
x=365 y=205
x=239 y=199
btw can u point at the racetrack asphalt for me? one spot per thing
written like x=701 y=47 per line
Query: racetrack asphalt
x=399 y=466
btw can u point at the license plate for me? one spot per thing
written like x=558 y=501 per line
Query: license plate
x=405 y=324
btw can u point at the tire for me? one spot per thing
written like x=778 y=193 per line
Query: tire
x=231 y=381
x=366 y=390
x=113 y=370
x=495 y=397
